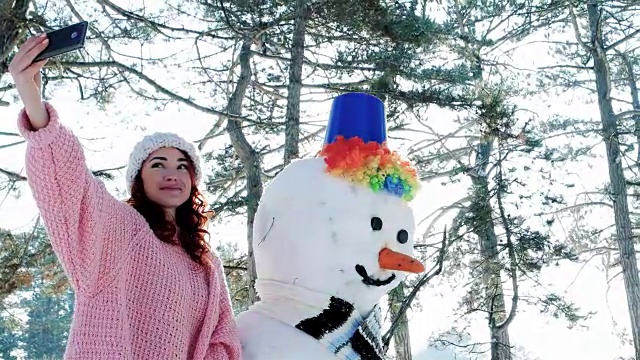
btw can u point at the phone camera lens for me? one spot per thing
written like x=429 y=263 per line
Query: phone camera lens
x=74 y=35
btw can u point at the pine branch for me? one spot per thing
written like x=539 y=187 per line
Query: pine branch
x=512 y=255
x=156 y=86
x=623 y=40
x=102 y=174
x=422 y=281
x=2 y=133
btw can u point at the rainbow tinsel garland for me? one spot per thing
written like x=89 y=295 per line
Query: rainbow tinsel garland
x=371 y=164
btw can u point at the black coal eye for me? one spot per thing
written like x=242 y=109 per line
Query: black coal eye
x=403 y=236
x=376 y=223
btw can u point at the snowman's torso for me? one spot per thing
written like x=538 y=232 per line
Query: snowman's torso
x=264 y=338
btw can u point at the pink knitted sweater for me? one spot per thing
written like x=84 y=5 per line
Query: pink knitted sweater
x=136 y=296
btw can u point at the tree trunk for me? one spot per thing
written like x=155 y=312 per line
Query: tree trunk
x=249 y=157
x=401 y=338
x=484 y=229
x=628 y=259
x=481 y=209
x=292 y=128
x=635 y=101
x=12 y=13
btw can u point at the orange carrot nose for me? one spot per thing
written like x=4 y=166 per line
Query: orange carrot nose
x=392 y=260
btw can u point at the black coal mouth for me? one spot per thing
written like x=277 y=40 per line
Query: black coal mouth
x=368 y=280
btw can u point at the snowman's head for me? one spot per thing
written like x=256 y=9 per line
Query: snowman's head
x=333 y=230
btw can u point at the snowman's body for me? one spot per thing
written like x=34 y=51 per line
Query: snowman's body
x=265 y=338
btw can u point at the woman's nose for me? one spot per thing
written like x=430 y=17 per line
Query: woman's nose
x=170 y=177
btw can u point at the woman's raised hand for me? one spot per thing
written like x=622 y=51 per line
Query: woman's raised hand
x=28 y=80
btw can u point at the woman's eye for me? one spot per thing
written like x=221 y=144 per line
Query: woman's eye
x=182 y=167
x=156 y=165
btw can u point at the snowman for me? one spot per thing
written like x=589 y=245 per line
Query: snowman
x=332 y=235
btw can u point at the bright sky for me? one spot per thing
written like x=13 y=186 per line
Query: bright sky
x=124 y=122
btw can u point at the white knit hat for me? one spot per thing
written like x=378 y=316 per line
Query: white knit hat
x=153 y=142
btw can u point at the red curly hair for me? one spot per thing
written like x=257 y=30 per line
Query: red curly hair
x=191 y=218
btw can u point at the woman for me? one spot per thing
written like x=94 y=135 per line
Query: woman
x=146 y=284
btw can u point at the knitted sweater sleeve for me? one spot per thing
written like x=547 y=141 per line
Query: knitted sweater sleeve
x=87 y=227
x=225 y=341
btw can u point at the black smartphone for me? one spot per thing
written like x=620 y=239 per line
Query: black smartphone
x=64 y=40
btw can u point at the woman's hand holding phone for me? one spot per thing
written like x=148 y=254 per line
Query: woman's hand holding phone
x=28 y=80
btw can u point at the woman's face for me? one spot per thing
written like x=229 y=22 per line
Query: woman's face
x=166 y=177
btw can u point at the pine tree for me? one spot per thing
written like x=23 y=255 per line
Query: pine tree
x=10 y=328
x=599 y=60
x=49 y=319
x=491 y=237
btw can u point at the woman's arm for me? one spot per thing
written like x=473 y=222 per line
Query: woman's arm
x=225 y=341
x=89 y=229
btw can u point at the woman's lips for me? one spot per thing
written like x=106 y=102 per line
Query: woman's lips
x=171 y=189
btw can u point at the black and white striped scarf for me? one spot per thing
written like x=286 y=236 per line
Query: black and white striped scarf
x=334 y=322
